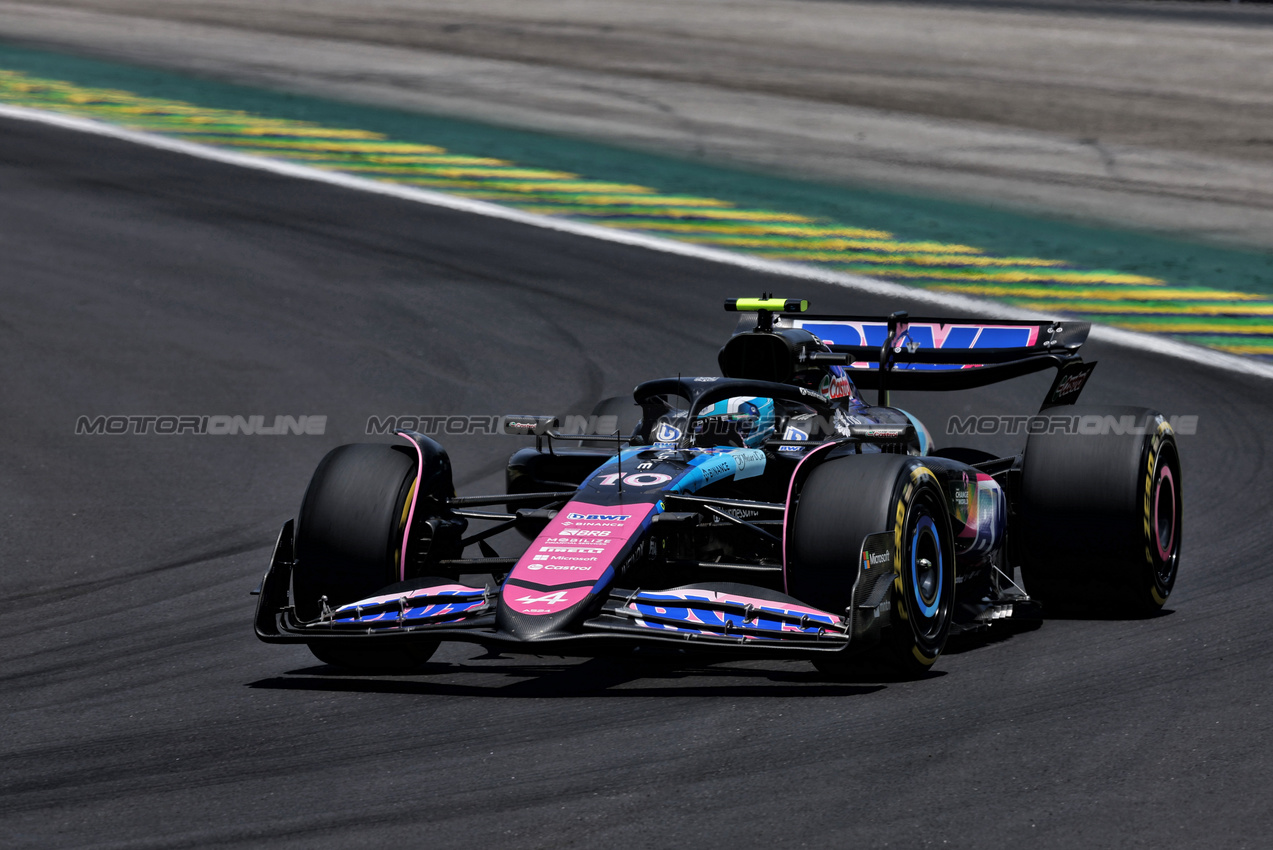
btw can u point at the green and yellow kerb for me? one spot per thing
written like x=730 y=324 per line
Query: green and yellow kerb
x=1237 y=322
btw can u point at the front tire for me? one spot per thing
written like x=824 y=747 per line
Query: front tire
x=842 y=502
x=349 y=535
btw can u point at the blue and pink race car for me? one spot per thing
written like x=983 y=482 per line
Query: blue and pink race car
x=769 y=510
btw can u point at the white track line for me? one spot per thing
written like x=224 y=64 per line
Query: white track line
x=966 y=304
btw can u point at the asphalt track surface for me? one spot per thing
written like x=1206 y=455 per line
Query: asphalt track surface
x=139 y=710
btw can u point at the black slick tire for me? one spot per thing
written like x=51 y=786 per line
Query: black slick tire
x=842 y=502
x=1101 y=513
x=348 y=543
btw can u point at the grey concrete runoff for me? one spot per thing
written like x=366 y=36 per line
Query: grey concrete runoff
x=1155 y=116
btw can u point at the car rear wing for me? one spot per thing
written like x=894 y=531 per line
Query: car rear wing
x=939 y=354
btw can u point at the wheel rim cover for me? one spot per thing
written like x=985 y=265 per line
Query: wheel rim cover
x=926 y=581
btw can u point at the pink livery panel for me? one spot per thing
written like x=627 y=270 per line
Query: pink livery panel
x=577 y=551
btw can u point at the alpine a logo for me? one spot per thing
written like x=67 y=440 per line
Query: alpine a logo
x=548 y=599
x=606 y=517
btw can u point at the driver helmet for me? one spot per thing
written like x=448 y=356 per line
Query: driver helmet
x=740 y=421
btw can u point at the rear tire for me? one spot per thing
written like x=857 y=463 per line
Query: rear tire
x=1101 y=515
x=842 y=502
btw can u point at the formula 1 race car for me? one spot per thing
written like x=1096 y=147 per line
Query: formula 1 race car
x=769 y=510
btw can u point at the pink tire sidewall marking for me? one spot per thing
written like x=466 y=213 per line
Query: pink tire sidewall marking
x=1165 y=477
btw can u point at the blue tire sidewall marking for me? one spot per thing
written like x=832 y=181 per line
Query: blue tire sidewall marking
x=926 y=524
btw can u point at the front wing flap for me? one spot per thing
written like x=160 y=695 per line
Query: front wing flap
x=710 y=616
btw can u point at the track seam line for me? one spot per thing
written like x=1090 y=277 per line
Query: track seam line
x=1117 y=336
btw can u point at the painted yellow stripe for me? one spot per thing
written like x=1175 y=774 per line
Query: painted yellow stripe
x=1245 y=348
x=910 y=259
x=482 y=195
x=519 y=189
x=513 y=190
x=414 y=164
x=1125 y=282
x=581 y=186
x=203 y=124
x=786 y=229
x=451 y=171
x=208 y=128
x=175 y=110
x=636 y=200
x=212 y=125
x=1163 y=308
x=1237 y=326
x=602 y=204
x=258 y=130
x=670 y=212
x=324 y=145
x=610 y=200
x=1060 y=296
x=327 y=158
x=106 y=102
x=514 y=198
x=823 y=244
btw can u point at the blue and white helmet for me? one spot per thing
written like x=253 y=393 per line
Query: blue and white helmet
x=738 y=421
